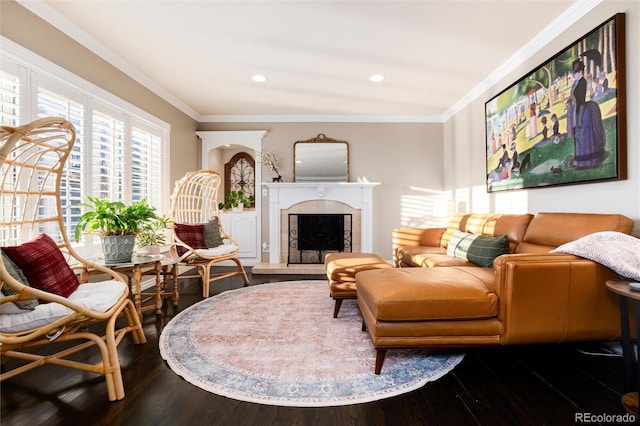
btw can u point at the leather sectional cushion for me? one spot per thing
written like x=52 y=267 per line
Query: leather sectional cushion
x=428 y=257
x=422 y=294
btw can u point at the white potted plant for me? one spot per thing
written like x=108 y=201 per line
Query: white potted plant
x=151 y=237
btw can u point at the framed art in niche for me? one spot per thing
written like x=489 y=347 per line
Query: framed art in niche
x=564 y=122
x=240 y=173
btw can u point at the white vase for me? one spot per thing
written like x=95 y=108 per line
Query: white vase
x=237 y=209
x=149 y=250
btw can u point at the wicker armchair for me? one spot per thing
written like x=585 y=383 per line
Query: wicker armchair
x=199 y=238
x=39 y=266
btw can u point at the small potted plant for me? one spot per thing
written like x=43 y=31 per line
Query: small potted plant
x=151 y=236
x=116 y=223
x=236 y=201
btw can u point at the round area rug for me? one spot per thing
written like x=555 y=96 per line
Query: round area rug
x=278 y=344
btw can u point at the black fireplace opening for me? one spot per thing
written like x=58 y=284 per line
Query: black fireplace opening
x=312 y=235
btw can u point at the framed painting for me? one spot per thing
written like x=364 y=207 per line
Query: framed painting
x=565 y=122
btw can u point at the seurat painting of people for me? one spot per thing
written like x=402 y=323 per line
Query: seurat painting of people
x=564 y=123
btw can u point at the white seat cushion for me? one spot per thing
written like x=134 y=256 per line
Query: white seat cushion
x=98 y=297
x=217 y=251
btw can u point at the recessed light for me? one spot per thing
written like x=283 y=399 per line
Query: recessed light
x=376 y=78
x=259 y=78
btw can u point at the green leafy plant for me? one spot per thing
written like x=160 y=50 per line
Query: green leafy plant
x=151 y=233
x=235 y=198
x=106 y=217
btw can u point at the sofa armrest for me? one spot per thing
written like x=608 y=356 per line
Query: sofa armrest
x=414 y=237
x=554 y=297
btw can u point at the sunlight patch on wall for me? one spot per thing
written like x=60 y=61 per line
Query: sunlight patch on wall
x=512 y=202
x=425 y=208
x=480 y=200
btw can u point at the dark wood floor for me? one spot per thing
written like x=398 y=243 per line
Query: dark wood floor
x=533 y=385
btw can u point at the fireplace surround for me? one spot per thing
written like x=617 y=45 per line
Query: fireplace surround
x=286 y=198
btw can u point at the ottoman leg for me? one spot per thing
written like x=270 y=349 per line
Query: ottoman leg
x=380 y=354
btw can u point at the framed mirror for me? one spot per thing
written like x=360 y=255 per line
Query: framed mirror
x=321 y=159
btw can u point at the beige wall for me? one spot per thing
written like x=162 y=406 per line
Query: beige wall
x=405 y=158
x=464 y=139
x=31 y=32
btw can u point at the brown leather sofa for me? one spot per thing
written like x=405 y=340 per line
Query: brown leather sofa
x=528 y=296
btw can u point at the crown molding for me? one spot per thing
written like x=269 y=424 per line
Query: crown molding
x=41 y=9
x=320 y=119
x=569 y=17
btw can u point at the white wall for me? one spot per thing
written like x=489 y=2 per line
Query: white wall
x=464 y=140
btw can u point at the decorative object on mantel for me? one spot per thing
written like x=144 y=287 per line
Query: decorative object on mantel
x=270 y=160
x=237 y=345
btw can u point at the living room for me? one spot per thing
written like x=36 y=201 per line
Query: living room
x=427 y=170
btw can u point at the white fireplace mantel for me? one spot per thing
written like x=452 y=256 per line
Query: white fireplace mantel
x=283 y=195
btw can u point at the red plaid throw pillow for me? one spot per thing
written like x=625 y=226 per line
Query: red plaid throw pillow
x=44 y=265
x=191 y=235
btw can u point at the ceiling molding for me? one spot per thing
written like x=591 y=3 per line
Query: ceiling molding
x=576 y=11
x=320 y=119
x=544 y=37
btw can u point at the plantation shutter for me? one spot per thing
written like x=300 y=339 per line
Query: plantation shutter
x=52 y=103
x=146 y=165
x=107 y=156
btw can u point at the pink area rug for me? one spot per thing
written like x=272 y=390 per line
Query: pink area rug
x=278 y=344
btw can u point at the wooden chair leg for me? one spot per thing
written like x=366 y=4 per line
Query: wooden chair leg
x=336 y=308
x=242 y=271
x=206 y=277
x=380 y=354
x=364 y=325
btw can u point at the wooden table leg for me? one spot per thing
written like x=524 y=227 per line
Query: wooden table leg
x=158 y=269
x=174 y=277
x=137 y=279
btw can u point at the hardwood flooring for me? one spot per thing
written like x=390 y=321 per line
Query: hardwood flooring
x=524 y=385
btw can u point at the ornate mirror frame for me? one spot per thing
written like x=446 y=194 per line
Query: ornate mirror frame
x=325 y=156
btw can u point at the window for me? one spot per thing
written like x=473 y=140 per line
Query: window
x=120 y=151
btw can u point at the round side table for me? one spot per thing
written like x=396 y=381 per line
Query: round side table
x=630 y=399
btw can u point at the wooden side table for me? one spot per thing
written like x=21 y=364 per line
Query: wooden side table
x=133 y=270
x=630 y=399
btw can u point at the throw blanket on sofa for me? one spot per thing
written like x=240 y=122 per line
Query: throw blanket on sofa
x=615 y=250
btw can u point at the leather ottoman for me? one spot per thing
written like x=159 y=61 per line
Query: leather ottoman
x=341 y=273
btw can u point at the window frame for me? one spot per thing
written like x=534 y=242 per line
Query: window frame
x=35 y=71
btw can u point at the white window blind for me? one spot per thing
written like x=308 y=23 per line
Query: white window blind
x=107 y=157
x=52 y=104
x=146 y=165
x=10 y=98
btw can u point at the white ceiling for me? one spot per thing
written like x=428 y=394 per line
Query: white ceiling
x=317 y=55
